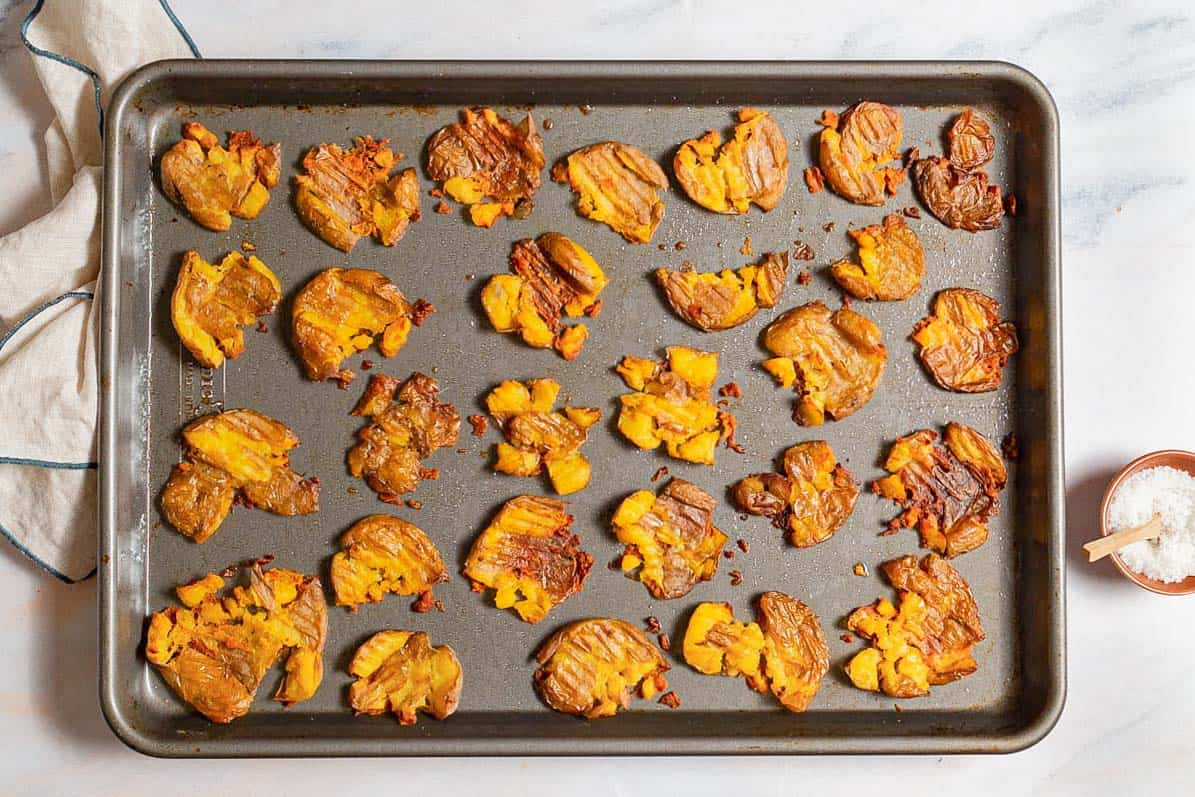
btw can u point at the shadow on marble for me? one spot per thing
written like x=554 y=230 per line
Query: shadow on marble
x=1083 y=496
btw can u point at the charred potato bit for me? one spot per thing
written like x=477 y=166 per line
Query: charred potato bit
x=214 y=184
x=959 y=199
x=212 y=302
x=832 y=360
x=853 y=153
x=810 y=501
x=401 y=672
x=713 y=302
x=964 y=344
x=339 y=313
x=727 y=178
x=236 y=455
x=891 y=262
x=924 y=642
x=346 y=195
x=485 y=157
x=670 y=539
x=783 y=653
x=616 y=184
x=947 y=493
x=971 y=142
x=215 y=652
x=671 y=404
x=529 y=556
x=589 y=668
x=538 y=438
x=553 y=278
x=407 y=422
x=384 y=554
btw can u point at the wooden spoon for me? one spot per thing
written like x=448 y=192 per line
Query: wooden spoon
x=1098 y=549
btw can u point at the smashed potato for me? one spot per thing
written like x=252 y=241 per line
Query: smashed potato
x=810 y=501
x=724 y=300
x=670 y=539
x=346 y=195
x=538 y=438
x=589 y=668
x=212 y=302
x=383 y=554
x=339 y=312
x=964 y=344
x=617 y=185
x=485 y=157
x=750 y=168
x=854 y=153
x=236 y=455
x=402 y=672
x=832 y=360
x=957 y=198
x=947 y=493
x=214 y=184
x=970 y=141
x=671 y=404
x=553 y=278
x=407 y=422
x=783 y=653
x=215 y=652
x=927 y=640
x=891 y=262
x=529 y=556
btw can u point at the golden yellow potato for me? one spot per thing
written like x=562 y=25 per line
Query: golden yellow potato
x=728 y=177
x=891 y=262
x=401 y=672
x=212 y=302
x=616 y=184
x=383 y=554
x=964 y=344
x=724 y=300
x=212 y=183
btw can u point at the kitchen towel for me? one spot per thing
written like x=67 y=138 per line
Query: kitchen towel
x=81 y=50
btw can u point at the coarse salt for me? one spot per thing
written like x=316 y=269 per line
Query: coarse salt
x=1167 y=492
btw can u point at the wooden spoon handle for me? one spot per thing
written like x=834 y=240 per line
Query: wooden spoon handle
x=1098 y=549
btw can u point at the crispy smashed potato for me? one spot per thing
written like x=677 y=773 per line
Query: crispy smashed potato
x=236 y=455
x=214 y=184
x=617 y=185
x=538 y=438
x=346 y=195
x=891 y=262
x=529 y=556
x=832 y=360
x=854 y=153
x=383 y=554
x=964 y=344
x=671 y=404
x=589 y=668
x=727 y=178
x=924 y=642
x=402 y=672
x=783 y=653
x=212 y=302
x=553 y=278
x=959 y=199
x=339 y=312
x=485 y=157
x=670 y=539
x=810 y=501
x=407 y=422
x=215 y=652
x=724 y=300
x=971 y=142
x=947 y=493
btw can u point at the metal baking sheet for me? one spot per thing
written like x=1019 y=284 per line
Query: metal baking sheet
x=151 y=388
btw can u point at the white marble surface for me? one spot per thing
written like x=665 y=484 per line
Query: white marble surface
x=1123 y=75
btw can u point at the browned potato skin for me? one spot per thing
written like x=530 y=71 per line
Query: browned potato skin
x=407 y=422
x=964 y=345
x=211 y=302
x=795 y=656
x=623 y=175
x=380 y=545
x=758 y=152
x=412 y=673
x=959 y=199
x=970 y=141
x=853 y=156
x=212 y=191
x=714 y=302
x=567 y=678
x=504 y=158
x=201 y=488
x=899 y=262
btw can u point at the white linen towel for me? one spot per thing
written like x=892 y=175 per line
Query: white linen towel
x=81 y=49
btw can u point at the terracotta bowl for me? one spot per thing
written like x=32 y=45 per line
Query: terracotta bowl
x=1179 y=460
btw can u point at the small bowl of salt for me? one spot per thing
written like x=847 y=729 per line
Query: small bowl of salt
x=1160 y=484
